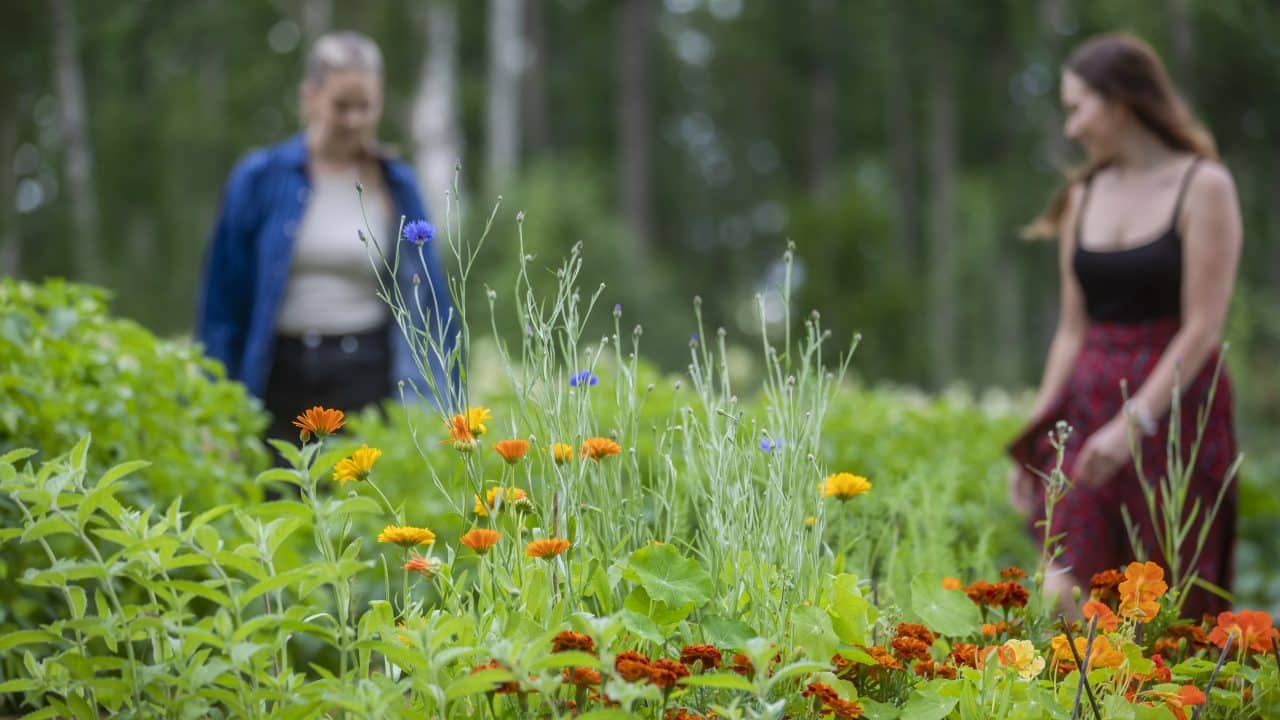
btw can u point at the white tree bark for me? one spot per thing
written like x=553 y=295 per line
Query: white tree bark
x=506 y=57
x=436 y=138
x=77 y=151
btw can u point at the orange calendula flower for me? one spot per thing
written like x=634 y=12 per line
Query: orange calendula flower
x=599 y=447
x=406 y=536
x=1107 y=620
x=356 y=467
x=498 y=499
x=1252 y=630
x=480 y=539
x=320 y=422
x=561 y=453
x=844 y=486
x=546 y=548
x=424 y=566
x=460 y=435
x=1143 y=583
x=511 y=450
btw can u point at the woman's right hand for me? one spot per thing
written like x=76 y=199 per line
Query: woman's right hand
x=1021 y=490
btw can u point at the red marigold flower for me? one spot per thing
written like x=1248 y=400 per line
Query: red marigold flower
x=964 y=654
x=1105 y=586
x=909 y=648
x=581 y=676
x=631 y=666
x=570 y=640
x=743 y=665
x=665 y=673
x=500 y=688
x=1013 y=573
x=821 y=691
x=708 y=655
x=919 y=632
x=1012 y=595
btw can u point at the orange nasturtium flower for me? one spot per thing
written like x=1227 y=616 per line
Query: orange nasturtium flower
x=546 y=548
x=1177 y=701
x=498 y=498
x=1101 y=655
x=512 y=450
x=561 y=453
x=320 y=422
x=1143 y=583
x=356 y=467
x=1107 y=620
x=599 y=447
x=844 y=486
x=406 y=536
x=480 y=540
x=1251 y=628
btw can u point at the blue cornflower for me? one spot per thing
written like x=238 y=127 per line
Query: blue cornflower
x=769 y=444
x=419 y=232
x=583 y=377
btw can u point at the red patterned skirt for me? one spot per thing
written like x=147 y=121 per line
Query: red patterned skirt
x=1091 y=519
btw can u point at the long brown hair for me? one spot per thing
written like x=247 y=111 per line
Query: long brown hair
x=1124 y=69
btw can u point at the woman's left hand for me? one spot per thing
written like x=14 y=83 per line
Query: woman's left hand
x=1103 y=454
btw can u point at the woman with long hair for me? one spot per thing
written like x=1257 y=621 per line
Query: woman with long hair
x=1149 y=237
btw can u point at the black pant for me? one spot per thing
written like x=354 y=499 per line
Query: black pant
x=343 y=372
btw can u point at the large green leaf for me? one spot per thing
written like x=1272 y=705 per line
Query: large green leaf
x=814 y=633
x=945 y=611
x=670 y=578
x=851 y=614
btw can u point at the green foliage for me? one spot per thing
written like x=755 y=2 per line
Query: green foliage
x=69 y=369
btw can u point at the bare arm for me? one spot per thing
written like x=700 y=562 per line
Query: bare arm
x=1211 y=253
x=1069 y=335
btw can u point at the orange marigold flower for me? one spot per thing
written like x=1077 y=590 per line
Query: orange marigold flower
x=821 y=691
x=1251 y=628
x=682 y=714
x=964 y=654
x=743 y=665
x=460 y=435
x=581 y=676
x=561 y=453
x=665 y=673
x=1013 y=573
x=406 y=536
x=570 y=640
x=546 y=548
x=909 y=648
x=708 y=655
x=924 y=668
x=995 y=629
x=883 y=657
x=1013 y=594
x=844 y=486
x=599 y=447
x=424 y=566
x=1143 y=583
x=500 y=688
x=480 y=539
x=319 y=421
x=357 y=466
x=512 y=450
x=631 y=666
x=951 y=583
x=919 y=632
x=1105 y=586
x=498 y=499
x=1107 y=620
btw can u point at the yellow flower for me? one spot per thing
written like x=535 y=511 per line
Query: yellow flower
x=843 y=486
x=480 y=539
x=1025 y=659
x=598 y=447
x=358 y=466
x=547 y=548
x=460 y=435
x=406 y=536
x=319 y=421
x=476 y=419
x=810 y=521
x=507 y=496
x=561 y=453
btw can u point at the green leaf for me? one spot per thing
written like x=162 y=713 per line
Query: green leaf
x=200 y=590
x=670 y=578
x=642 y=626
x=18 y=638
x=483 y=681
x=723 y=681
x=609 y=714
x=943 y=611
x=275 y=582
x=51 y=525
x=569 y=658
x=640 y=603
x=851 y=614
x=110 y=477
x=13 y=457
x=725 y=632
x=925 y=704
x=814 y=633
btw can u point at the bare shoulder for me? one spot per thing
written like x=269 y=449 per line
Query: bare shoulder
x=1071 y=213
x=1212 y=184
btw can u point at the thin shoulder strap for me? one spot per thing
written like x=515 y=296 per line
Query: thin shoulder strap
x=1182 y=190
x=1084 y=202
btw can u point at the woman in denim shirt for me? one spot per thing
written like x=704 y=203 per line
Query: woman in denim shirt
x=289 y=300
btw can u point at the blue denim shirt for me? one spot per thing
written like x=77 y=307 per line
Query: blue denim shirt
x=249 y=256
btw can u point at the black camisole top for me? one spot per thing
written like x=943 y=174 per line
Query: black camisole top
x=1138 y=284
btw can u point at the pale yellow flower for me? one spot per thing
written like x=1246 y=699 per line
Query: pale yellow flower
x=1025 y=659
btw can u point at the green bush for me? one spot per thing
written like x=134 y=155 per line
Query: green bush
x=69 y=369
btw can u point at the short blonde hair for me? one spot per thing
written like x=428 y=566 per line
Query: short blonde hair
x=338 y=51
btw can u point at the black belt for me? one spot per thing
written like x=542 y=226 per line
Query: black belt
x=347 y=342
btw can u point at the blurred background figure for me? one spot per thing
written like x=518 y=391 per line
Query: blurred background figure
x=1149 y=238
x=290 y=292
